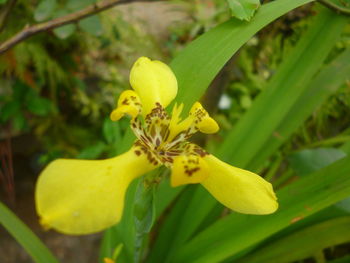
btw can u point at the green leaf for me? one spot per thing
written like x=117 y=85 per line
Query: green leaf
x=344 y=259
x=144 y=215
x=19 y=122
x=308 y=161
x=24 y=236
x=39 y=106
x=2 y=2
x=44 y=10
x=9 y=110
x=111 y=131
x=292 y=79
x=75 y=5
x=92 y=152
x=303 y=243
x=92 y=25
x=297 y=201
x=344 y=205
x=64 y=32
x=117 y=252
x=169 y=229
x=324 y=84
x=219 y=45
x=243 y=9
x=123 y=232
x=144 y=208
x=312 y=59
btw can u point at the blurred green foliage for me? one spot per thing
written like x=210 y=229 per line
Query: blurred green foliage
x=61 y=85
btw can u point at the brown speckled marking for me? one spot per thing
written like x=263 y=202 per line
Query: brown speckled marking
x=153 y=136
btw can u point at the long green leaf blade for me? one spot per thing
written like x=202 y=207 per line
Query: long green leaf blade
x=218 y=45
x=272 y=106
x=24 y=236
x=298 y=70
x=320 y=88
x=303 y=243
x=198 y=64
x=297 y=201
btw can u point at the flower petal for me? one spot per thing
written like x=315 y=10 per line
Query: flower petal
x=154 y=82
x=238 y=189
x=197 y=120
x=128 y=103
x=188 y=169
x=202 y=120
x=87 y=196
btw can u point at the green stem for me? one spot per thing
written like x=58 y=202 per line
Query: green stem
x=144 y=211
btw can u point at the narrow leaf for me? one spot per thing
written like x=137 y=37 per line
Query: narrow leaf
x=311 y=160
x=30 y=242
x=260 y=122
x=303 y=243
x=323 y=85
x=243 y=9
x=301 y=199
x=219 y=45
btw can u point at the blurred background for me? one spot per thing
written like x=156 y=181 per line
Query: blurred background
x=58 y=88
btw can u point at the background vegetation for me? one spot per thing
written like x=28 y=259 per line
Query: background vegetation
x=281 y=96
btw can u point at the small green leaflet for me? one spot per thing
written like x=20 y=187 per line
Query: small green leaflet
x=243 y=9
x=44 y=10
x=65 y=31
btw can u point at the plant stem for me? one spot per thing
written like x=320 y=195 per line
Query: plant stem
x=29 y=31
x=144 y=212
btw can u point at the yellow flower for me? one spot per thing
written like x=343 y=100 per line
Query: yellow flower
x=83 y=196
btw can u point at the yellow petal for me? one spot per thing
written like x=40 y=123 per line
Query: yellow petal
x=198 y=119
x=154 y=82
x=238 y=189
x=128 y=103
x=87 y=196
x=202 y=120
x=188 y=169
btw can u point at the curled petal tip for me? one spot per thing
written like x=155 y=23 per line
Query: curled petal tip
x=208 y=126
x=204 y=122
x=128 y=103
x=118 y=113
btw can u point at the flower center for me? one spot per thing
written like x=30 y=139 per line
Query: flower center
x=163 y=138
